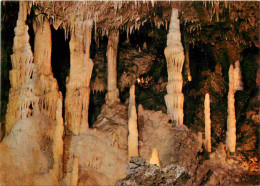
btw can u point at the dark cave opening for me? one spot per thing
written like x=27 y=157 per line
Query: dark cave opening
x=60 y=60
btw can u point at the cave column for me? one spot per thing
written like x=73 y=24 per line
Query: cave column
x=21 y=93
x=235 y=84
x=175 y=58
x=78 y=90
x=112 y=95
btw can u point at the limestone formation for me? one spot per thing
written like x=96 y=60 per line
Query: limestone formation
x=231 y=118
x=112 y=95
x=238 y=85
x=207 y=123
x=187 y=63
x=175 y=57
x=132 y=125
x=33 y=87
x=78 y=90
x=155 y=157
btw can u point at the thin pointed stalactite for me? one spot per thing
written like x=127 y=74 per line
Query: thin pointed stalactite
x=175 y=58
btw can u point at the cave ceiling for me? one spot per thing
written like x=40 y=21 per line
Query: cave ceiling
x=207 y=21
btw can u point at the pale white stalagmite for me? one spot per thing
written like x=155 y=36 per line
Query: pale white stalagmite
x=22 y=80
x=155 y=157
x=175 y=57
x=231 y=118
x=238 y=85
x=78 y=90
x=132 y=125
x=112 y=95
x=207 y=123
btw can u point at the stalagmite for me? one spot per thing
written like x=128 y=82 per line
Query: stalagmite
x=155 y=158
x=112 y=95
x=78 y=90
x=175 y=57
x=132 y=125
x=187 y=62
x=58 y=141
x=238 y=85
x=75 y=172
x=231 y=118
x=234 y=85
x=207 y=123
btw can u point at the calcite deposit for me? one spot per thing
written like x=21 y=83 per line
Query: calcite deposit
x=97 y=93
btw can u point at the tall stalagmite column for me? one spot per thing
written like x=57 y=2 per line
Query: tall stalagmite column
x=175 y=58
x=235 y=84
x=207 y=123
x=112 y=95
x=132 y=125
x=22 y=78
x=78 y=90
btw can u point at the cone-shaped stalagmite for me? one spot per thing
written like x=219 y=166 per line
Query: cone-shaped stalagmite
x=207 y=123
x=175 y=57
x=78 y=91
x=112 y=90
x=155 y=157
x=132 y=125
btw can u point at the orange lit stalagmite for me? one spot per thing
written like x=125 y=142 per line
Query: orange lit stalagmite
x=112 y=90
x=175 y=57
x=235 y=84
x=78 y=91
x=207 y=123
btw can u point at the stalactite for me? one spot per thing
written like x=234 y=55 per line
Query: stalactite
x=231 y=118
x=78 y=90
x=112 y=95
x=187 y=62
x=155 y=158
x=132 y=125
x=175 y=57
x=238 y=85
x=207 y=123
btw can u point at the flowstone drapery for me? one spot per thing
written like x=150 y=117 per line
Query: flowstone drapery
x=78 y=90
x=175 y=57
x=112 y=47
x=132 y=126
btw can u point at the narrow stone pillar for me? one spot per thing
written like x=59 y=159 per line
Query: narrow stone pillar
x=175 y=58
x=112 y=95
x=22 y=93
x=78 y=90
x=132 y=126
x=46 y=86
x=187 y=62
x=235 y=84
x=207 y=123
x=231 y=118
